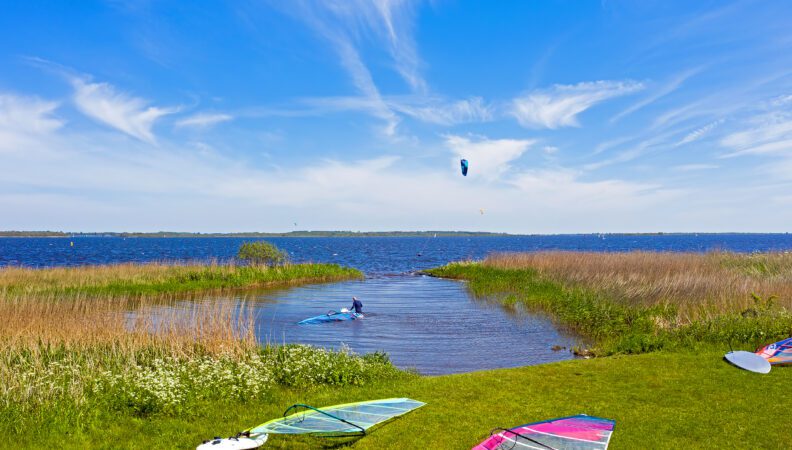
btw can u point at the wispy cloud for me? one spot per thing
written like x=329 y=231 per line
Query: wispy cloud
x=441 y=112
x=204 y=120
x=635 y=149
x=131 y=115
x=763 y=128
x=695 y=167
x=344 y=23
x=769 y=133
x=776 y=147
x=24 y=117
x=560 y=105
x=27 y=114
x=428 y=109
x=699 y=133
x=542 y=182
x=667 y=88
x=397 y=16
x=488 y=158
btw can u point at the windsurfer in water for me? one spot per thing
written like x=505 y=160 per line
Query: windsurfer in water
x=357 y=305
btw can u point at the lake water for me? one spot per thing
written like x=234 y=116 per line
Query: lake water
x=372 y=255
x=429 y=324
x=425 y=323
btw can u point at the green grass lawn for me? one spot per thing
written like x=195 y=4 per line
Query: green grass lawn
x=659 y=400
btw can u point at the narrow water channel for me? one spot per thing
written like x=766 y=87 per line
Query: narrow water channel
x=432 y=325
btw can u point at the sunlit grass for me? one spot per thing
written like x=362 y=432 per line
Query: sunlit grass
x=643 y=301
x=696 y=285
x=660 y=400
x=160 y=278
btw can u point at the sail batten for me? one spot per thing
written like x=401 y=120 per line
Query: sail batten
x=576 y=432
x=348 y=418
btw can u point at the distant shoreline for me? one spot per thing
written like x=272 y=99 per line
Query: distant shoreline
x=307 y=234
x=301 y=234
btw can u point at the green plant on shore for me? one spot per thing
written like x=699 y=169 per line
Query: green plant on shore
x=262 y=252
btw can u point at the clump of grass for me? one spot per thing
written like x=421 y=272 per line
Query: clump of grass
x=640 y=302
x=697 y=286
x=159 y=278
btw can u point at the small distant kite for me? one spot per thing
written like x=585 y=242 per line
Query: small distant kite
x=464 y=164
x=481 y=211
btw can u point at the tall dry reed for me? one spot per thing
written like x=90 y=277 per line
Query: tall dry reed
x=697 y=285
x=126 y=324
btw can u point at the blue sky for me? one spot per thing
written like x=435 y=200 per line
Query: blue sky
x=576 y=116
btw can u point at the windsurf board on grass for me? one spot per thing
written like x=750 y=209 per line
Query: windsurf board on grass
x=748 y=361
x=235 y=443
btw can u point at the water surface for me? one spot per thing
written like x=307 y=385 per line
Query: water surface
x=429 y=324
x=372 y=255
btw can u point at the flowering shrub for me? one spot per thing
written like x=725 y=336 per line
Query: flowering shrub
x=305 y=366
x=166 y=385
x=152 y=382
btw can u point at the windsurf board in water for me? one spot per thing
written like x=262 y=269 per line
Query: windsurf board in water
x=748 y=361
x=235 y=443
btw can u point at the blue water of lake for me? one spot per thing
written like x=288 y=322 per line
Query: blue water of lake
x=429 y=324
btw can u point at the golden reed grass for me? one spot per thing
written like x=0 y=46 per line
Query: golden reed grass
x=33 y=281
x=126 y=325
x=698 y=285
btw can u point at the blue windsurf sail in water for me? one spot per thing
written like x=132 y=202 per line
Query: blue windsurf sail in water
x=464 y=164
x=331 y=316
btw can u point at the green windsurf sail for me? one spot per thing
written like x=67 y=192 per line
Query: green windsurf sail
x=339 y=420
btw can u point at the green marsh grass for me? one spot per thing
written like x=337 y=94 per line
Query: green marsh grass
x=644 y=301
x=82 y=347
x=160 y=278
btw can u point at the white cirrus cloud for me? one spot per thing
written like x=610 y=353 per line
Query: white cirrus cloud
x=769 y=133
x=488 y=158
x=131 y=115
x=664 y=90
x=560 y=105
x=695 y=167
x=24 y=117
x=203 y=120
x=441 y=112
x=769 y=127
x=699 y=133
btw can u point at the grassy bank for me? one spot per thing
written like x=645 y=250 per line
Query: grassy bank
x=158 y=279
x=83 y=347
x=70 y=391
x=659 y=400
x=642 y=301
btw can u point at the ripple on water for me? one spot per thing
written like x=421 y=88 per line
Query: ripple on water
x=430 y=324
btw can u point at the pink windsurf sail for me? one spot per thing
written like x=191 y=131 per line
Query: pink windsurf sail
x=576 y=432
x=778 y=352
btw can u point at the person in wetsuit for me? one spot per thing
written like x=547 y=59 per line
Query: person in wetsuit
x=357 y=305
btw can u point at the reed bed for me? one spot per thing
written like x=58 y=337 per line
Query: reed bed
x=161 y=278
x=79 y=345
x=644 y=301
x=698 y=286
